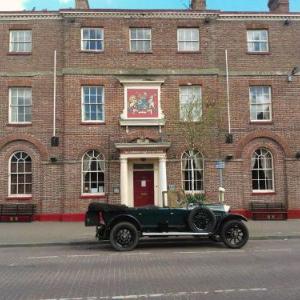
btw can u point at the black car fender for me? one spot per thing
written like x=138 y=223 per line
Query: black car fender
x=230 y=217
x=124 y=218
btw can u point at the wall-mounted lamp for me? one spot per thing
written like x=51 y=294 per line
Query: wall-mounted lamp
x=287 y=22
x=53 y=159
x=228 y=157
x=294 y=71
x=297 y=155
x=229 y=138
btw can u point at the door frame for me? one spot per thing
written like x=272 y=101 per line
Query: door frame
x=131 y=171
x=134 y=174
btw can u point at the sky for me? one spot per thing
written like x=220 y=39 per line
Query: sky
x=231 y=5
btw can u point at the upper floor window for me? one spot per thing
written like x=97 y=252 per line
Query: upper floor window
x=140 y=40
x=92 y=104
x=93 y=166
x=92 y=39
x=257 y=41
x=260 y=103
x=190 y=103
x=20 y=174
x=262 y=171
x=192 y=167
x=20 y=41
x=188 y=39
x=20 y=105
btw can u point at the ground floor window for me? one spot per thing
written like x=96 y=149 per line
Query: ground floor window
x=262 y=170
x=20 y=174
x=192 y=166
x=93 y=167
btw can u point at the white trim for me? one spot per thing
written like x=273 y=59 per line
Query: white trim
x=93 y=50
x=81 y=174
x=159 y=120
x=130 y=39
x=9 y=106
x=270 y=104
x=9 y=177
x=273 y=173
x=103 y=105
x=257 y=41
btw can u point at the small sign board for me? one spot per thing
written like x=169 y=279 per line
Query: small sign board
x=220 y=164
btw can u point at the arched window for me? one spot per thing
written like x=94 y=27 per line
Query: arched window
x=93 y=167
x=20 y=174
x=192 y=166
x=262 y=170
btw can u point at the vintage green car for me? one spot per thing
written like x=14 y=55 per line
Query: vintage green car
x=124 y=226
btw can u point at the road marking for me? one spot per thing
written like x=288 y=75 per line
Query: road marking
x=273 y=250
x=209 y=252
x=42 y=257
x=84 y=255
x=164 y=295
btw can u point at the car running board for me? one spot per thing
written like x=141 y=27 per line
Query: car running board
x=176 y=233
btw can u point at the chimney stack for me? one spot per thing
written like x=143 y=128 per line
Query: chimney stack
x=198 y=4
x=279 y=6
x=82 y=4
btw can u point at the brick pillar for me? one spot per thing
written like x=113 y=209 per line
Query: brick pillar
x=279 y=6
x=82 y=4
x=198 y=4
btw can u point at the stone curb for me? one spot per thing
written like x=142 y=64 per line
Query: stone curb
x=79 y=243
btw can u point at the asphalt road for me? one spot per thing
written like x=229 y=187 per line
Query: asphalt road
x=172 y=270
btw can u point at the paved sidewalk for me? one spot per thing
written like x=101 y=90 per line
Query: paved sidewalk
x=61 y=233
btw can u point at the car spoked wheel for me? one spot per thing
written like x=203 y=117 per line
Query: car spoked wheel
x=201 y=219
x=234 y=234
x=124 y=236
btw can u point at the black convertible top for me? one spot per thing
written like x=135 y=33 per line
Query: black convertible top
x=96 y=206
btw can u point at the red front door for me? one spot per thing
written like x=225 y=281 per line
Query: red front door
x=143 y=185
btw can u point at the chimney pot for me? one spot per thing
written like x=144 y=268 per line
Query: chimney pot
x=198 y=4
x=82 y=4
x=279 y=6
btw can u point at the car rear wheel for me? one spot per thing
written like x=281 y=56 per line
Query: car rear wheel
x=202 y=219
x=234 y=234
x=124 y=236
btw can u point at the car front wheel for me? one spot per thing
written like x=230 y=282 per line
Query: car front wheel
x=124 y=236
x=234 y=234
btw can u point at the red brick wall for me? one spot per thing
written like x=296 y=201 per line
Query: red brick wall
x=57 y=186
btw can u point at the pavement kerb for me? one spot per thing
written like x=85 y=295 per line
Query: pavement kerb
x=79 y=243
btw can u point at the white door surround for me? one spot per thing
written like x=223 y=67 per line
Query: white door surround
x=127 y=161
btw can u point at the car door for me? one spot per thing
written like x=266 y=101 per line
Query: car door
x=154 y=219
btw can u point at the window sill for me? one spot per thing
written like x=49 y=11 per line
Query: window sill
x=140 y=52
x=92 y=123
x=188 y=52
x=93 y=196
x=19 y=198
x=92 y=51
x=258 y=53
x=19 y=125
x=263 y=193
x=19 y=53
x=261 y=122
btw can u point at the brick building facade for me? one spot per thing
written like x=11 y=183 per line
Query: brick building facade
x=123 y=79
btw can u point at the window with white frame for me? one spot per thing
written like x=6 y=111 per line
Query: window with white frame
x=140 y=40
x=262 y=170
x=190 y=103
x=92 y=39
x=20 y=41
x=93 y=167
x=188 y=39
x=20 y=174
x=258 y=41
x=20 y=105
x=192 y=167
x=260 y=103
x=92 y=104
